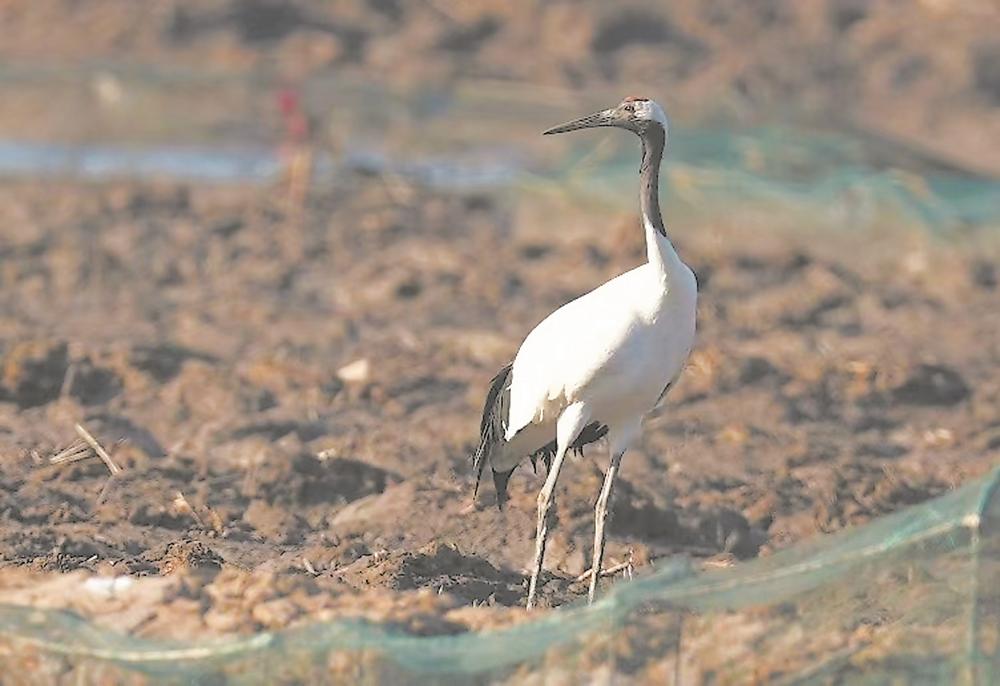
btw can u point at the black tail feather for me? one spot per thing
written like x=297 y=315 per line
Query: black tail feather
x=493 y=426
x=500 y=480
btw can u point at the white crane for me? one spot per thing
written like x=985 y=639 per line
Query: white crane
x=600 y=363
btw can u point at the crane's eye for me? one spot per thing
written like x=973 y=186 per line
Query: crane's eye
x=630 y=108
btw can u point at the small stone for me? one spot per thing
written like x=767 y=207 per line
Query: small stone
x=355 y=372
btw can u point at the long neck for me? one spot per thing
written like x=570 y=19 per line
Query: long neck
x=660 y=252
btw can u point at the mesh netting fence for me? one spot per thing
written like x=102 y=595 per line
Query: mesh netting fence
x=911 y=598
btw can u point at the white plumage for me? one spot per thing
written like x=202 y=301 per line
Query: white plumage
x=600 y=362
x=614 y=349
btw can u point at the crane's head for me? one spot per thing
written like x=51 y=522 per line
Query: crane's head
x=635 y=114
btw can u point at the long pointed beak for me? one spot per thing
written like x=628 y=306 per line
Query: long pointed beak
x=602 y=118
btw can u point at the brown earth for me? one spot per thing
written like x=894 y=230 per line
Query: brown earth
x=293 y=397
x=292 y=394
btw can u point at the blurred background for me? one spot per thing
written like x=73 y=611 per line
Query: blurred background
x=454 y=95
x=272 y=252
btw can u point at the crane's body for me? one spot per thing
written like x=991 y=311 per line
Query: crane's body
x=643 y=319
x=597 y=365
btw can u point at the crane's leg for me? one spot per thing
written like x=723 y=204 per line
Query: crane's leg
x=568 y=427
x=600 y=518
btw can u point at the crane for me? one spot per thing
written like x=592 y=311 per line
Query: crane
x=597 y=365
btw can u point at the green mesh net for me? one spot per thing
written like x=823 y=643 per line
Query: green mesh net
x=911 y=598
x=818 y=181
x=181 y=124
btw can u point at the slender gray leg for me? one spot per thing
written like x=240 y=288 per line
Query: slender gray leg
x=600 y=518
x=570 y=423
x=545 y=502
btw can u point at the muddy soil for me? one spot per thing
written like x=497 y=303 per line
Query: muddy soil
x=292 y=391
x=292 y=396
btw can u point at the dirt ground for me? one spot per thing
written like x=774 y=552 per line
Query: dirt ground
x=293 y=398
x=292 y=393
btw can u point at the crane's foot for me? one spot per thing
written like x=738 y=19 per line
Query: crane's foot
x=626 y=568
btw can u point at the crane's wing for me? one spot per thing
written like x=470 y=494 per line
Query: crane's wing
x=492 y=436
